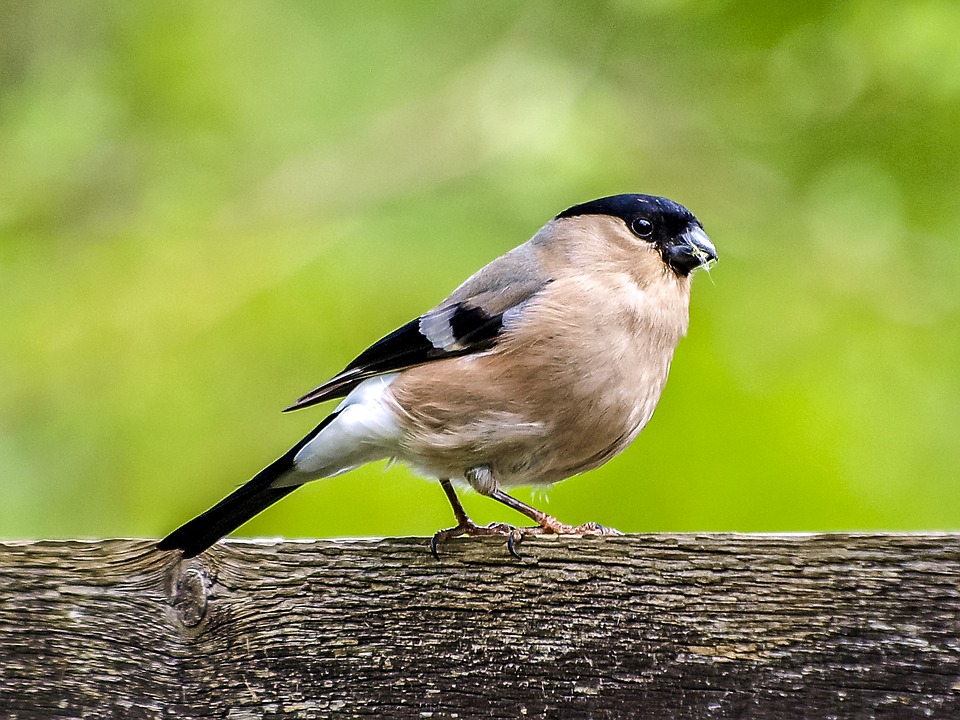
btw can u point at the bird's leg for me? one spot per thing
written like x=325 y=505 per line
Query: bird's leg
x=547 y=524
x=466 y=526
x=483 y=480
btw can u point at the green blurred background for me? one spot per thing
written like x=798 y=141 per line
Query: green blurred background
x=207 y=209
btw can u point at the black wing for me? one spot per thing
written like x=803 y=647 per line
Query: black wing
x=447 y=331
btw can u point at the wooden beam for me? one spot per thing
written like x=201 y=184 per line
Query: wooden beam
x=646 y=626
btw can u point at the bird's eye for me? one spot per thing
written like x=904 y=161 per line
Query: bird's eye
x=642 y=228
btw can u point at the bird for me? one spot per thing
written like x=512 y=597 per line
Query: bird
x=542 y=365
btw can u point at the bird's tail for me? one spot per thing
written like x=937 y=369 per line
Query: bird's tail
x=259 y=493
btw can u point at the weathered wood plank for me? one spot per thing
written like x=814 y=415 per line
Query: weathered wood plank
x=647 y=626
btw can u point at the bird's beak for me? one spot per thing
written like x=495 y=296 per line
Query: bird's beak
x=690 y=250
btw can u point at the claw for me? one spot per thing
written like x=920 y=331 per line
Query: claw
x=441 y=536
x=512 y=544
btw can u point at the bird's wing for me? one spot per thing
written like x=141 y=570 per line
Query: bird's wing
x=471 y=320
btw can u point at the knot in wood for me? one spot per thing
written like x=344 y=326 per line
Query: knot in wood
x=190 y=597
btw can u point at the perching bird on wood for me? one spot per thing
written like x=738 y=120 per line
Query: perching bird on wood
x=544 y=364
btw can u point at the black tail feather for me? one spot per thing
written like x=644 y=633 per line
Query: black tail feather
x=241 y=505
x=222 y=519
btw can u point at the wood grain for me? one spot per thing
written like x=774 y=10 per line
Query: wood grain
x=644 y=626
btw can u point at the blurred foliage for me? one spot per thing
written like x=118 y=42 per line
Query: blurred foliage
x=206 y=209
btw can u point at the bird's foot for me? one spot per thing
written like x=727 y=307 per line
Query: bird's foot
x=548 y=525
x=471 y=529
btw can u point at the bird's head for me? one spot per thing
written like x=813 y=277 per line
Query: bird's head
x=666 y=226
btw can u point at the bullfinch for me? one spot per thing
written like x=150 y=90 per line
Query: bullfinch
x=544 y=364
